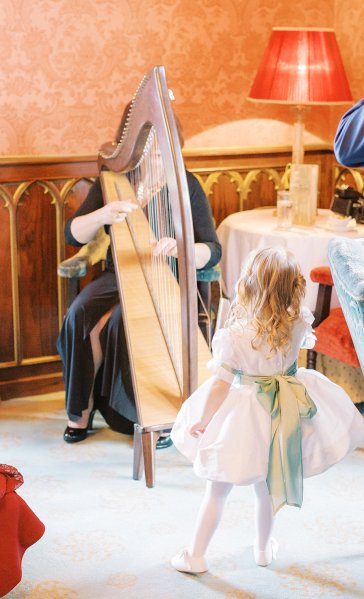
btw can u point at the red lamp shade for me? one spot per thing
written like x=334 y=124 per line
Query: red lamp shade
x=301 y=66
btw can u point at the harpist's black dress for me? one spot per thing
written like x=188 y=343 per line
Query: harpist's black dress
x=113 y=392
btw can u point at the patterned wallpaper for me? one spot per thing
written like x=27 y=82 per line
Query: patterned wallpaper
x=69 y=66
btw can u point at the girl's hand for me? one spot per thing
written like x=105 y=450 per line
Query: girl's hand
x=197 y=430
x=115 y=212
x=167 y=246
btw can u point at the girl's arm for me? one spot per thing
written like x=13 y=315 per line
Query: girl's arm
x=217 y=395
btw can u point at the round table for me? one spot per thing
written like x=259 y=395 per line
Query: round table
x=244 y=231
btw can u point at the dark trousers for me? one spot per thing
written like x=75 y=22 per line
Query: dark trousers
x=113 y=392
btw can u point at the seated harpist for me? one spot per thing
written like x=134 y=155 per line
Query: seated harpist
x=92 y=342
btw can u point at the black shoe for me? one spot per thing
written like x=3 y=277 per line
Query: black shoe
x=74 y=435
x=163 y=442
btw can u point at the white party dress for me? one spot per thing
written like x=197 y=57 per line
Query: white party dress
x=235 y=445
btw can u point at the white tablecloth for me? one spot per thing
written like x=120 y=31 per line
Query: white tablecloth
x=244 y=231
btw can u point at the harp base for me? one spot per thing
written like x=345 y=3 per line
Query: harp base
x=145 y=441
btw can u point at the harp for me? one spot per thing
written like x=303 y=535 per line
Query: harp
x=158 y=293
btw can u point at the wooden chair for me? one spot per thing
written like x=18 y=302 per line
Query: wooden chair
x=209 y=299
x=77 y=267
x=346 y=257
x=331 y=329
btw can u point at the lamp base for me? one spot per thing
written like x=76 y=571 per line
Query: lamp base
x=298 y=133
x=297 y=147
x=303 y=193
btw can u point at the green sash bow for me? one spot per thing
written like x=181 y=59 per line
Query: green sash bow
x=285 y=398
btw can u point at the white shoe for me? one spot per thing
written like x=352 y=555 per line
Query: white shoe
x=183 y=562
x=265 y=557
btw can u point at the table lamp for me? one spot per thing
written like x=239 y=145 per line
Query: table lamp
x=302 y=67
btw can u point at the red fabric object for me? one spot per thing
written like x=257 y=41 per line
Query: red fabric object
x=334 y=339
x=19 y=528
x=322 y=274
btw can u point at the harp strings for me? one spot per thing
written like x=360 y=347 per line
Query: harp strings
x=148 y=180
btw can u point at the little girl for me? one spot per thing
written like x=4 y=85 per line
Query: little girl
x=259 y=420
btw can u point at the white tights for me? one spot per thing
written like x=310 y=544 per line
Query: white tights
x=211 y=510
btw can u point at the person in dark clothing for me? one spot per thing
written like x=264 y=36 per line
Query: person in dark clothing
x=349 y=138
x=92 y=342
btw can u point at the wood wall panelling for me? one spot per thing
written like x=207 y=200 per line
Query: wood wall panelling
x=7 y=348
x=37 y=196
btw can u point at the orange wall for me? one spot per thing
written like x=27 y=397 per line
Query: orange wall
x=69 y=66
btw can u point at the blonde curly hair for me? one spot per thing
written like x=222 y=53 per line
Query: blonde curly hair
x=268 y=295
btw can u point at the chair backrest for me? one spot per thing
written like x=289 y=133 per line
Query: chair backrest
x=222 y=313
x=346 y=258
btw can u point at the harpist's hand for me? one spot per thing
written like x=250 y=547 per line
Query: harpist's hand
x=197 y=430
x=115 y=212
x=167 y=246
x=85 y=227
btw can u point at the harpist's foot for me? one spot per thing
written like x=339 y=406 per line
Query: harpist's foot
x=74 y=435
x=183 y=562
x=164 y=441
x=265 y=557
